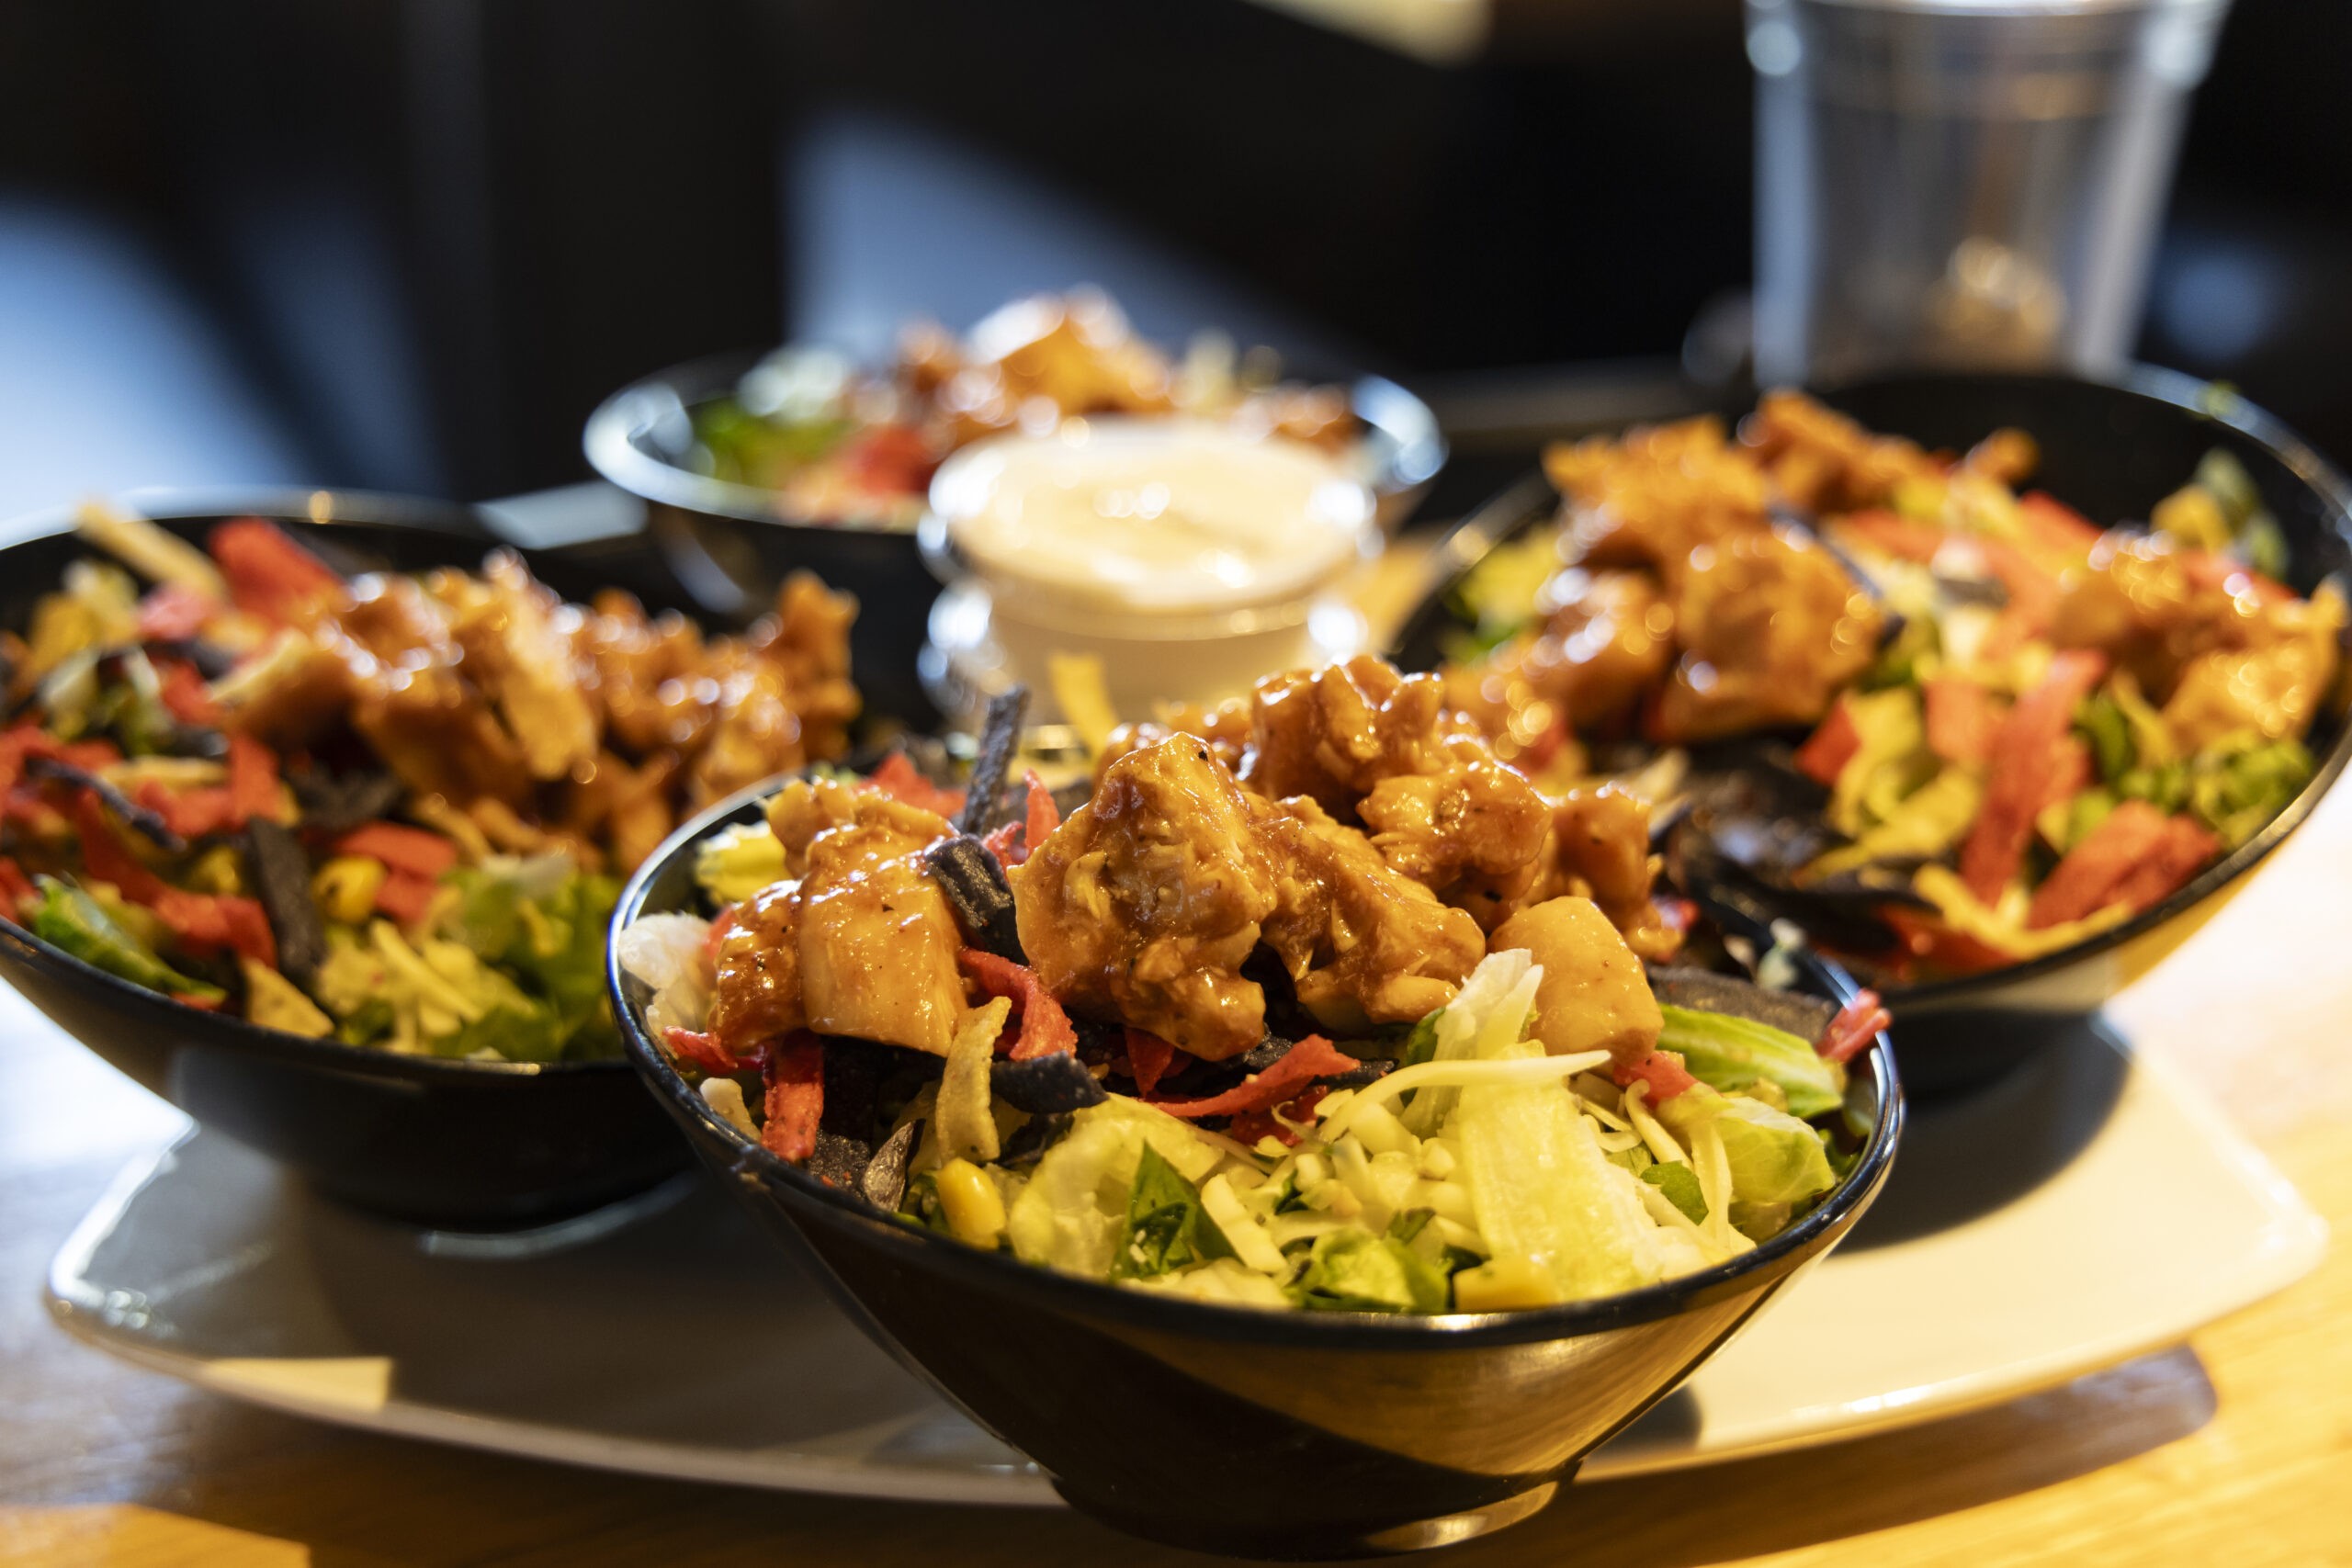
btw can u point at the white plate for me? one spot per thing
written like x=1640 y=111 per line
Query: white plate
x=2082 y=1212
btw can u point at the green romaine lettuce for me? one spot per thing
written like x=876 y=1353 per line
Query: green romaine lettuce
x=1731 y=1053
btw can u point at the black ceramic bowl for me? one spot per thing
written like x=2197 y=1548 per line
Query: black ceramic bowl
x=1266 y=1433
x=730 y=544
x=2111 y=451
x=465 y=1145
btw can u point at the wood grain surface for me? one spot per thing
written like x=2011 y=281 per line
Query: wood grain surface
x=2233 y=1451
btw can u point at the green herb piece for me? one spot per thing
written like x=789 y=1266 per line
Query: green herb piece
x=1680 y=1185
x=1353 y=1271
x=1166 y=1228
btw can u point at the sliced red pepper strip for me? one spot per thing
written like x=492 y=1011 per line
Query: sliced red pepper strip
x=174 y=613
x=1857 y=1024
x=705 y=1054
x=1045 y=1028
x=1148 y=1058
x=1013 y=843
x=1924 y=936
x=200 y=919
x=1825 y=755
x=412 y=850
x=2027 y=749
x=1313 y=1057
x=405 y=895
x=2055 y=526
x=253 y=779
x=898 y=779
x=269 y=574
x=795 y=1072
x=200 y=1003
x=15 y=885
x=1662 y=1070
x=1962 y=718
x=183 y=694
x=190 y=813
x=1252 y=1125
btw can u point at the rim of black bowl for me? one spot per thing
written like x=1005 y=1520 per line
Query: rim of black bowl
x=1444 y=1331
x=309 y=508
x=609 y=441
x=2264 y=429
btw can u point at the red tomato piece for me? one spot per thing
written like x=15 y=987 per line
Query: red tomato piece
x=1962 y=718
x=1662 y=1070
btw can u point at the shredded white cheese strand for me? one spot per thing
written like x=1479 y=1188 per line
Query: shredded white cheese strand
x=1456 y=1074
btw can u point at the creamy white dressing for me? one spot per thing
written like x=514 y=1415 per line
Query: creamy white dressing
x=1164 y=516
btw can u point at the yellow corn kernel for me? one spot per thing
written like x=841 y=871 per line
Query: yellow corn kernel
x=975 y=1207
x=345 y=888
x=1503 y=1284
x=217 y=870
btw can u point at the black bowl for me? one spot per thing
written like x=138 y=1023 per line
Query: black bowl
x=731 y=544
x=2111 y=451
x=465 y=1145
x=1265 y=1434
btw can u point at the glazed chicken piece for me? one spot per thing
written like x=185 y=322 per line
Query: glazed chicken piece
x=1772 y=628
x=877 y=943
x=1648 y=498
x=645 y=674
x=1335 y=732
x=1226 y=727
x=757 y=997
x=1364 y=944
x=1599 y=848
x=1608 y=644
x=439 y=737
x=291 y=693
x=2273 y=685
x=1593 y=996
x=1471 y=833
x=517 y=639
x=2220 y=651
x=1822 y=461
x=1144 y=905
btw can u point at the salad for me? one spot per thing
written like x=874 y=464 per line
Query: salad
x=1310 y=1004
x=1939 y=721
x=389 y=810
x=838 y=442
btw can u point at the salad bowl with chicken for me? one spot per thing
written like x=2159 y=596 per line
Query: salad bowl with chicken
x=1302 y=1075
x=316 y=828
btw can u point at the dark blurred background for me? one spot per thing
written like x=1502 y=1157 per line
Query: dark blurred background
x=408 y=245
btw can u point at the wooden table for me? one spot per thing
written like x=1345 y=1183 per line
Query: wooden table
x=2233 y=1451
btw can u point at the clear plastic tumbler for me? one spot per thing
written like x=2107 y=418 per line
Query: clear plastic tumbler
x=1962 y=183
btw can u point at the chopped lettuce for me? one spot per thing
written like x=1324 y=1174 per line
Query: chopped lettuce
x=2239 y=782
x=1544 y=1193
x=1353 y=1271
x=1074 y=1212
x=1733 y=1053
x=68 y=919
x=543 y=920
